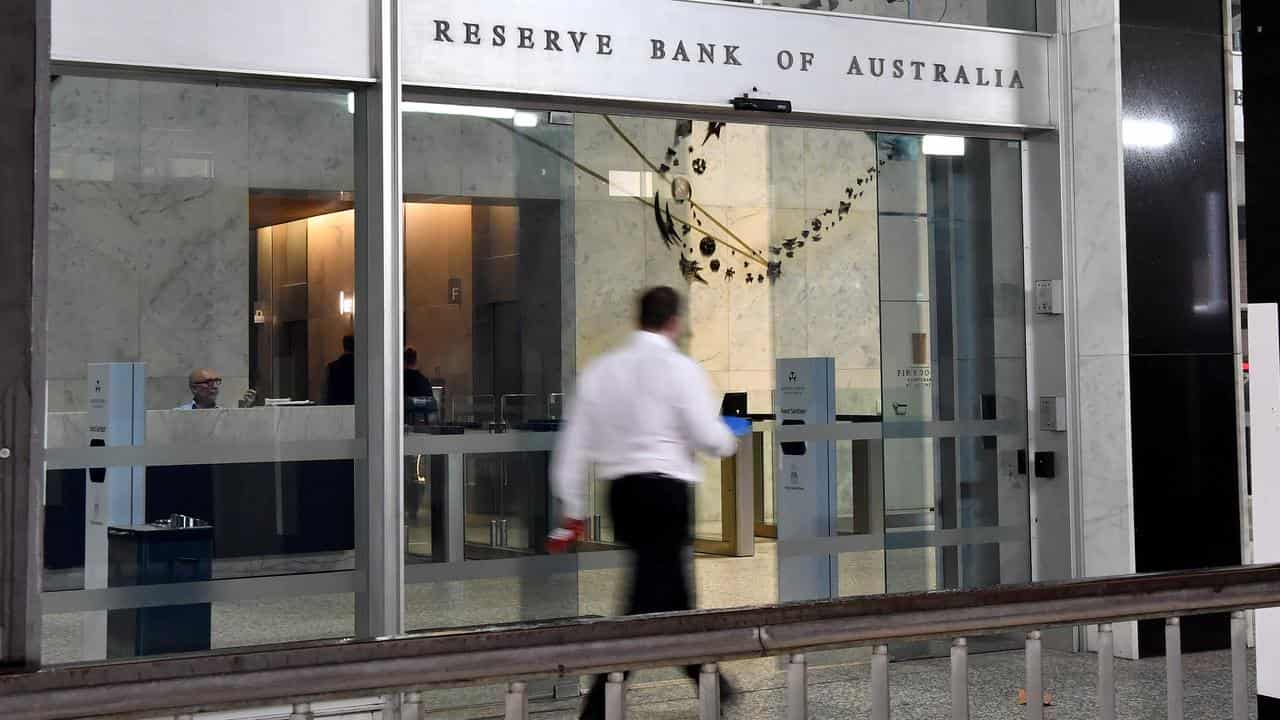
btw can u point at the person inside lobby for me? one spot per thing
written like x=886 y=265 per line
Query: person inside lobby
x=205 y=386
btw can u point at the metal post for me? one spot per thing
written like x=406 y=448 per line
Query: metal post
x=411 y=706
x=455 y=515
x=960 y=679
x=880 y=683
x=379 y=410
x=24 y=171
x=797 y=687
x=1035 y=677
x=1239 y=667
x=301 y=711
x=615 y=697
x=709 y=693
x=1106 y=672
x=517 y=701
x=1173 y=665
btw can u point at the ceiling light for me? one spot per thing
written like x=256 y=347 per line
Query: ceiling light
x=521 y=118
x=944 y=145
x=492 y=113
x=1147 y=133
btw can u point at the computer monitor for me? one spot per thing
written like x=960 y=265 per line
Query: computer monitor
x=734 y=404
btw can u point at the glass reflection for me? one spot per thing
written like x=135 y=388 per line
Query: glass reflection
x=1013 y=14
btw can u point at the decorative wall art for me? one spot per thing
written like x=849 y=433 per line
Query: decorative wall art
x=711 y=245
x=687 y=234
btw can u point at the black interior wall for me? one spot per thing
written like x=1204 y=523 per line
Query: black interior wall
x=1182 y=365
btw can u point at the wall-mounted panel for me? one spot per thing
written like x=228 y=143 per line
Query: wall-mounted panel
x=281 y=37
x=705 y=54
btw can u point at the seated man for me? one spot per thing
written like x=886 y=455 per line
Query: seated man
x=205 y=386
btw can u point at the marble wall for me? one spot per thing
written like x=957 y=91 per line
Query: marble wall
x=149 y=213
x=149 y=227
x=1098 y=248
x=762 y=185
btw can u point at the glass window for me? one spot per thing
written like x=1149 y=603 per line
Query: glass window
x=1237 y=22
x=529 y=235
x=488 y=217
x=200 y=423
x=1014 y=14
x=955 y=354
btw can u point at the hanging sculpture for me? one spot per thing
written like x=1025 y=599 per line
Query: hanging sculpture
x=709 y=245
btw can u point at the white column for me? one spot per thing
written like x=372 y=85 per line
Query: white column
x=1264 y=460
x=1095 y=329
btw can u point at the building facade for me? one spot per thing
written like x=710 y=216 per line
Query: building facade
x=1006 y=226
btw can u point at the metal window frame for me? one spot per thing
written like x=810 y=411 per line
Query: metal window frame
x=1238 y=304
x=22 y=397
x=379 y=491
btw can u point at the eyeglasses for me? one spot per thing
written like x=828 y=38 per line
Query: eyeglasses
x=211 y=382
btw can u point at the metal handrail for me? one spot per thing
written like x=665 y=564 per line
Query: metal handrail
x=322 y=670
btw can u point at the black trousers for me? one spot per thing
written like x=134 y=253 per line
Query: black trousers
x=652 y=517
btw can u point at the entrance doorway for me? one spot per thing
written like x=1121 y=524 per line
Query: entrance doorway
x=898 y=257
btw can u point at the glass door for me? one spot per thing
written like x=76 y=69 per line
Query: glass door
x=508 y=506
x=956 y=506
x=898 y=258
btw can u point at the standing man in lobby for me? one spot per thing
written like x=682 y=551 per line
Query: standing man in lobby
x=340 y=385
x=639 y=415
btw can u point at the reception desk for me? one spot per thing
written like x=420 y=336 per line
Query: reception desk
x=255 y=426
x=290 y=515
x=268 y=516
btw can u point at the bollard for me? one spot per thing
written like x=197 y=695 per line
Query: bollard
x=615 y=697
x=960 y=679
x=880 y=683
x=797 y=687
x=709 y=692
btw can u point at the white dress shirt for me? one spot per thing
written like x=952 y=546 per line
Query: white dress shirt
x=644 y=408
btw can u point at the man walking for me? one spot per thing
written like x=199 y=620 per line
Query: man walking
x=639 y=414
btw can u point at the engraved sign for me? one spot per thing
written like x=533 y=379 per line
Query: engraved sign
x=708 y=53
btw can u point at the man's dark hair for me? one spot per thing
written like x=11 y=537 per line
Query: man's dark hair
x=410 y=356
x=349 y=343
x=657 y=306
